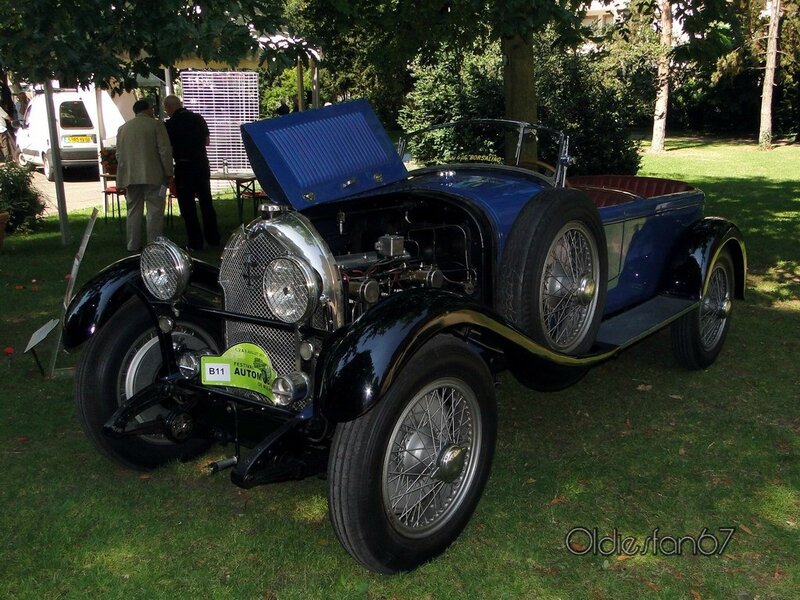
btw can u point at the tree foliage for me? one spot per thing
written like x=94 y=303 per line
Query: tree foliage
x=375 y=41
x=573 y=96
x=724 y=94
x=91 y=41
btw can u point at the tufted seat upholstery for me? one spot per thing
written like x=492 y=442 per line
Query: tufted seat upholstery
x=605 y=190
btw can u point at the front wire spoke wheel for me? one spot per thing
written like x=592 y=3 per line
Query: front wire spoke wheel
x=120 y=359
x=429 y=461
x=405 y=477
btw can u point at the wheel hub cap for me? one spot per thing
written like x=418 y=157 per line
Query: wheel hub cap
x=450 y=463
x=725 y=309
x=586 y=290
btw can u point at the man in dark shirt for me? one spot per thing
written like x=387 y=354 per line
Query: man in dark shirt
x=189 y=135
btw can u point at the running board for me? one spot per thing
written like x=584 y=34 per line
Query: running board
x=633 y=325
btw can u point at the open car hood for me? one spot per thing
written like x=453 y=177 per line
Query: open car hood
x=322 y=155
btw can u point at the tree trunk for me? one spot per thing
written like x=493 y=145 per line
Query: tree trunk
x=662 y=91
x=765 y=128
x=520 y=91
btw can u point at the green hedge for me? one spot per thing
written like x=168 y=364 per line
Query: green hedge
x=19 y=198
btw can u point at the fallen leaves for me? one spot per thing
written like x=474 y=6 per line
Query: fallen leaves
x=745 y=528
x=653 y=586
x=622 y=557
x=558 y=500
x=696 y=595
x=644 y=387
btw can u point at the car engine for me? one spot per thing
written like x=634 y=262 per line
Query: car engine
x=281 y=268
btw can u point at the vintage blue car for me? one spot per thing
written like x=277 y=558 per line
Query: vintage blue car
x=358 y=325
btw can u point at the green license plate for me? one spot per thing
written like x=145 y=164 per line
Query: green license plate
x=244 y=366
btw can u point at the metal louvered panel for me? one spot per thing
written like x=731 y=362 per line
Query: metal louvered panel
x=226 y=99
x=324 y=150
x=322 y=155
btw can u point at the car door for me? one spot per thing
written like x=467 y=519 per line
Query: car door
x=25 y=135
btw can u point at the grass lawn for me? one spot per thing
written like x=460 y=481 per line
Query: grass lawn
x=638 y=445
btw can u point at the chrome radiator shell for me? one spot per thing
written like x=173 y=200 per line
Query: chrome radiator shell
x=244 y=259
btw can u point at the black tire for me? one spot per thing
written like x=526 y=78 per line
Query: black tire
x=47 y=168
x=119 y=360
x=697 y=337
x=556 y=229
x=22 y=160
x=445 y=375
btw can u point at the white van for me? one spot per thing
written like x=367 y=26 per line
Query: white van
x=76 y=120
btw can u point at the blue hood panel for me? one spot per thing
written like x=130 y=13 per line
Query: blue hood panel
x=322 y=155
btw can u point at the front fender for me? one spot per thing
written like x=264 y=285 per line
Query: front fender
x=687 y=272
x=360 y=362
x=107 y=291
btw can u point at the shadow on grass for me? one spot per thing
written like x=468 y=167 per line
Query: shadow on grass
x=767 y=212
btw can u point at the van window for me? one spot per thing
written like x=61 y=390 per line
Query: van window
x=73 y=115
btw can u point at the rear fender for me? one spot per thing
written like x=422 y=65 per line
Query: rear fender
x=687 y=272
x=106 y=292
x=359 y=363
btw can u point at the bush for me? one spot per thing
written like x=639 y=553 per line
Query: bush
x=19 y=198
x=573 y=97
x=455 y=87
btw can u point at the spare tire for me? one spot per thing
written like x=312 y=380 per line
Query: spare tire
x=554 y=271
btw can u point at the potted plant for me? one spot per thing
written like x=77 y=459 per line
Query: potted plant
x=108 y=160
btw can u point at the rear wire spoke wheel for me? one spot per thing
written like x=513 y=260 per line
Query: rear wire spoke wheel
x=119 y=360
x=698 y=337
x=405 y=477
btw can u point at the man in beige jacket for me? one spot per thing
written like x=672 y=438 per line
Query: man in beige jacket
x=144 y=167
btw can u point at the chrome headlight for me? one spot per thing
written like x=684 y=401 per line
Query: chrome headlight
x=165 y=269
x=291 y=288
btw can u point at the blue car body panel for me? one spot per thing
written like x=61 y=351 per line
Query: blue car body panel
x=342 y=152
x=650 y=228
x=500 y=195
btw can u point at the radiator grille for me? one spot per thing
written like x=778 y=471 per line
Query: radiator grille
x=241 y=276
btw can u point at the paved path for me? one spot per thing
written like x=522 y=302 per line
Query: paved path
x=81 y=188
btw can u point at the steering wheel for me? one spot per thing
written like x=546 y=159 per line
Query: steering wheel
x=538 y=166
